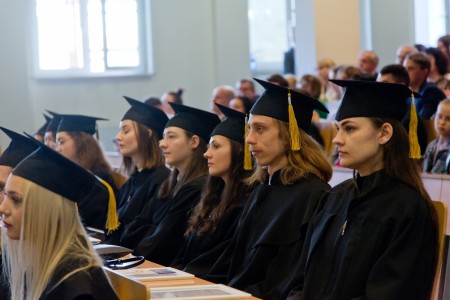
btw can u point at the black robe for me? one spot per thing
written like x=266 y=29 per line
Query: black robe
x=158 y=232
x=269 y=237
x=200 y=252
x=93 y=208
x=134 y=194
x=374 y=241
x=89 y=284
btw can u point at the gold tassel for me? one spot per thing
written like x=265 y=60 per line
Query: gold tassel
x=293 y=127
x=112 y=221
x=414 y=147
x=247 y=155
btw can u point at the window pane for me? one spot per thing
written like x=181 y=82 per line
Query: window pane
x=123 y=58
x=60 y=43
x=268 y=34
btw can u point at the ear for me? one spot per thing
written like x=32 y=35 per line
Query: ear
x=195 y=141
x=386 y=132
x=150 y=133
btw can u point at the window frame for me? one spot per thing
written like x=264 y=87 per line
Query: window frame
x=145 y=49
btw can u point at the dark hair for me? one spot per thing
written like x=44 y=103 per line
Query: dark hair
x=398 y=72
x=177 y=96
x=219 y=198
x=278 y=79
x=246 y=102
x=440 y=60
x=153 y=101
x=421 y=59
x=197 y=167
x=88 y=153
x=244 y=80
x=445 y=40
x=148 y=149
x=420 y=47
x=315 y=85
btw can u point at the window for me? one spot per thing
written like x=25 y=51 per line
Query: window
x=430 y=21
x=92 y=38
x=268 y=35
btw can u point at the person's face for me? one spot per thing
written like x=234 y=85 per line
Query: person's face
x=220 y=97
x=166 y=99
x=66 y=145
x=4 y=173
x=49 y=139
x=238 y=105
x=433 y=69
x=323 y=72
x=265 y=142
x=386 y=78
x=416 y=75
x=366 y=64
x=442 y=120
x=443 y=48
x=177 y=147
x=246 y=89
x=126 y=139
x=359 y=145
x=11 y=207
x=219 y=157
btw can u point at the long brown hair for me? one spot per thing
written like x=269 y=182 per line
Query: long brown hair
x=311 y=159
x=88 y=153
x=148 y=150
x=197 y=167
x=218 y=198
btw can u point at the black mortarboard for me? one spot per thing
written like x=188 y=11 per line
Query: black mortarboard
x=54 y=122
x=78 y=123
x=43 y=128
x=373 y=99
x=51 y=170
x=19 y=148
x=379 y=100
x=233 y=126
x=273 y=103
x=147 y=115
x=194 y=120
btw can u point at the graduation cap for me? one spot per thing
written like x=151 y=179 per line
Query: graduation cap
x=287 y=105
x=147 y=115
x=51 y=170
x=19 y=148
x=54 y=122
x=379 y=100
x=234 y=127
x=43 y=128
x=81 y=123
x=194 y=120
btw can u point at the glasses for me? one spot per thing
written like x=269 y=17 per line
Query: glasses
x=60 y=142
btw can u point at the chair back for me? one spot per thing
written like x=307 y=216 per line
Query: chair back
x=441 y=213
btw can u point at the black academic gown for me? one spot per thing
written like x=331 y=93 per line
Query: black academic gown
x=158 y=232
x=376 y=241
x=270 y=236
x=134 y=194
x=91 y=284
x=93 y=208
x=4 y=287
x=200 y=252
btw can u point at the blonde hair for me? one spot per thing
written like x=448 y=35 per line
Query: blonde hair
x=326 y=63
x=311 y=159
x=51 y=236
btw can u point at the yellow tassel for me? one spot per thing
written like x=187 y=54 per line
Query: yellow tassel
x=414 y=147
x=112 y=221
x=247 y=155
x=293 y=127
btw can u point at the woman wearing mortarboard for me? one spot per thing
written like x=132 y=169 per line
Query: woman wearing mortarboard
x=141 y=129
x=214 y=219
x=158 y=232
x=292 y=175
x=373 y=236
x=45 y=250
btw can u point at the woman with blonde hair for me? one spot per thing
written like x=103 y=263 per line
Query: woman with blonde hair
x=45 y=250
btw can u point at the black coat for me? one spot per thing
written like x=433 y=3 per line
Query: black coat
x=201 y=251
x=90 y=284
x=158 y=232
x=134 y=194
x=270 y=237
x=374 y=241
